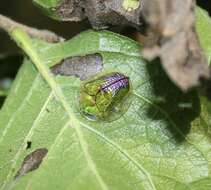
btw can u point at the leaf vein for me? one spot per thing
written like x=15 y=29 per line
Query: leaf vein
x=124 y=152
x=7 y=127
x=29 y=135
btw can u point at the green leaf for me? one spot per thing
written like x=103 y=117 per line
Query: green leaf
x=161 y=142
x=50 y=7
x=203 y=26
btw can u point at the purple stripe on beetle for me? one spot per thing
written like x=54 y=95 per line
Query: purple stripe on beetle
x=115 y=82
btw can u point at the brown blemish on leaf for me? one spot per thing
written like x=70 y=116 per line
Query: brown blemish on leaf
x=80 y=66
x=171 y=30
x=31 y=162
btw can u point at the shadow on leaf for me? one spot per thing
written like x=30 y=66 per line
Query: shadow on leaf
x=176 y=108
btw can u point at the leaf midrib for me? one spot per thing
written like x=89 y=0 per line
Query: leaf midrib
x=25 y=42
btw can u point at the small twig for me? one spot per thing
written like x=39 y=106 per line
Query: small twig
x=8 y=25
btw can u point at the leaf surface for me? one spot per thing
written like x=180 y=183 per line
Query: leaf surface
x=161 y=142
x=203 y=26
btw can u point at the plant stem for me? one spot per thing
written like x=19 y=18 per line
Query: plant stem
x=8 y=25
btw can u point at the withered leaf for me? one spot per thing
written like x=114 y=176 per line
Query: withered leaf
x=171 y=27
x=71 y=10
x=101 y=14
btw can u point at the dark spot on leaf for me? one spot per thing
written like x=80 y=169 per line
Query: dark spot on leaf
x=80 y=66
x=31 y=162
x=29 y=143
x=10 y=150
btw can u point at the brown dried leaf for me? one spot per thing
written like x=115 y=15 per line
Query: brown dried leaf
x=173 y=38
x=71 y=10
x=101 y=14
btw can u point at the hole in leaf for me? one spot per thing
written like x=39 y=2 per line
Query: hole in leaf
x=79 y=66
x=31 y=162
x=29 y=143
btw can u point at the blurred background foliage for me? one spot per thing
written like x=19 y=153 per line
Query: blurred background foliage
x=25 y=12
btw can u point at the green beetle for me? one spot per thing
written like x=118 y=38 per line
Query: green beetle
x=105 y=97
